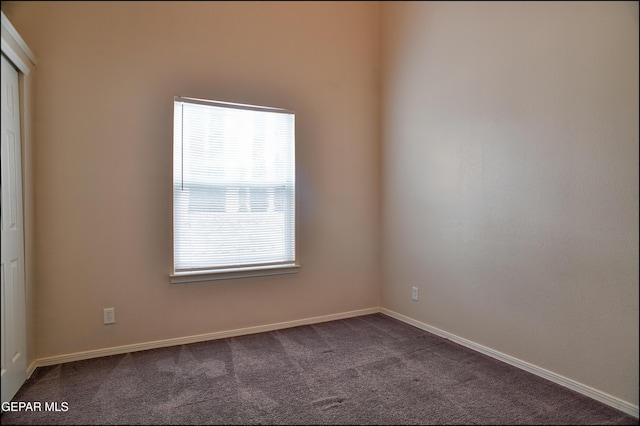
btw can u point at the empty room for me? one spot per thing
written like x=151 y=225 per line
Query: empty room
x=275 y=212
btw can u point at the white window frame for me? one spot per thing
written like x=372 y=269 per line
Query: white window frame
x=240 y=271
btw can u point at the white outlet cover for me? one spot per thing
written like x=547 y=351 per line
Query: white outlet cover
x=109 y=315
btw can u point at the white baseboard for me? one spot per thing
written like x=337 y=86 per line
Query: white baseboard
x=118 y=350
x=538 y=371
x=31 y=368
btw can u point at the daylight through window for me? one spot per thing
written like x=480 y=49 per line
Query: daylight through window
x=233 y=186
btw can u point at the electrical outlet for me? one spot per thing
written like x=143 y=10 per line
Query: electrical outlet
x=414 y=293
x=109 y=315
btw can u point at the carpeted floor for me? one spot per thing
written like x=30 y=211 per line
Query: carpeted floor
x=366 y=370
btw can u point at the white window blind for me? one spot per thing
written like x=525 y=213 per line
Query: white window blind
x=233 y=186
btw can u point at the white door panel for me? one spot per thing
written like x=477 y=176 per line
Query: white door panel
x=13 y=369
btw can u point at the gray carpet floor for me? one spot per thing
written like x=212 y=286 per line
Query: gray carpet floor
x=366 y=370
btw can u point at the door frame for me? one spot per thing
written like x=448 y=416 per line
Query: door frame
x=18 y=52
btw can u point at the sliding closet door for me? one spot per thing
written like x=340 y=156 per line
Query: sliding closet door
x=12 y=266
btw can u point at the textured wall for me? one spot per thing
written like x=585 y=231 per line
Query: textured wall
x=510 y=179
x=107 y=75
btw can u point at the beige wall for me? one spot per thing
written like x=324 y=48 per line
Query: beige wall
x=510 y=179
x=107 y=75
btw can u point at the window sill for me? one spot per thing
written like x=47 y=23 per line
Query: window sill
x=231 y=273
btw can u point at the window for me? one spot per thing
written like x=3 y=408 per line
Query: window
x=233 y=190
